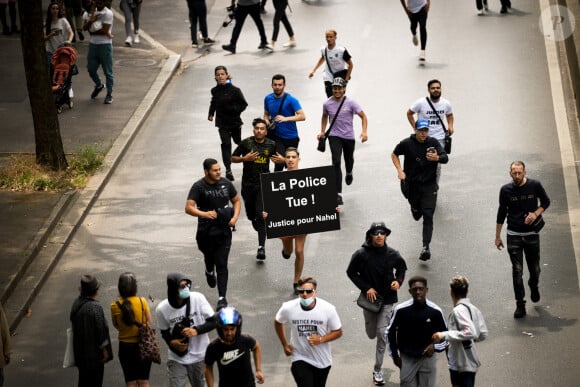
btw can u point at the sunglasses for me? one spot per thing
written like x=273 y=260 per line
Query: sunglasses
x=379 y=232
x=183 y=286
x=307 y=291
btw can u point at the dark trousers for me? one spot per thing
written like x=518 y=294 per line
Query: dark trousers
x=423 y=200
x=517 y=246
x=338 y=146
x=281 y=145
x=280 y=16
x=12 y=11
x=226 y=137
x=197 y=10
x=254 y=208
x=242 y=11
x=91 y=377
x=421 y=19
x=306 y=375
x=328 y=88
x=216 y=250
x=462 y=379
x=480 y=3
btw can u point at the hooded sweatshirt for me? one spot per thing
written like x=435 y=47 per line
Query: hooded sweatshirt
x=170 y=312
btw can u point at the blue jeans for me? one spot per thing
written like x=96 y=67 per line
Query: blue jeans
x=517 y=246
x=101 y=54
x=462 y=379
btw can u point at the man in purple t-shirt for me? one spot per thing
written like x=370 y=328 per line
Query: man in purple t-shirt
x=341 y=138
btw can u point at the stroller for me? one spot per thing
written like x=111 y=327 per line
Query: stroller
x=64 y=67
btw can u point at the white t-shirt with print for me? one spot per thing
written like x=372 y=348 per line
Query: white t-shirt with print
x=319 y=320
x=424 y=110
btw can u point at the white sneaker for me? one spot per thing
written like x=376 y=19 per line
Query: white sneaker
x=136 y=39
x=291 y=43
x=415 y=40
x=378 y=378
x=128 y=41
x=422 y=56
x=480 y=12
x=269 y=47
x=71 y=93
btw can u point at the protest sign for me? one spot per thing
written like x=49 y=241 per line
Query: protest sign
x=300 y=202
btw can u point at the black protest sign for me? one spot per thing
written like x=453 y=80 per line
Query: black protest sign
x=300 y=202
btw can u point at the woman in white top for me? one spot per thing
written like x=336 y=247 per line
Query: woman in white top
x=57 y=30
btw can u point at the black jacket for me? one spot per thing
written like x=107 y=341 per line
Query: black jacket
x=416 y=166
x=377 y=267
x=228 y=103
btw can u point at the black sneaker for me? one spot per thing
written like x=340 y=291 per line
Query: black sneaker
x=108 y=99
x=520 y=310
x=285 y=256
x=229 y=47
x=97 y=90
x=504 y=10
x=261 y=254
x=211 y=280
x=339 y=201
x=208 y=41
x=425 y=254
x=222 y=303
x=230 y=176
x=535 y=294
x=348 y=179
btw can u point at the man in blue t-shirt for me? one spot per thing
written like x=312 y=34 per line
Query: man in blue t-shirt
x=283 y=110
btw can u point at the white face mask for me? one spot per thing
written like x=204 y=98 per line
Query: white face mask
x=184 y=293
x=306 y=302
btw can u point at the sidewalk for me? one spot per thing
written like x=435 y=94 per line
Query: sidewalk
x=141 y=73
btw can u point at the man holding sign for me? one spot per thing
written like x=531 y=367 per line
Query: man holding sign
x=256 y=152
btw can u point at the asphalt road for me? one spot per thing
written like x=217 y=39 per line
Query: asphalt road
x=494 y=71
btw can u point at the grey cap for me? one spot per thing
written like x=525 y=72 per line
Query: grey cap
x=338 y=81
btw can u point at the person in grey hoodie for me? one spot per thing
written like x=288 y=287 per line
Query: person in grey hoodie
x=466 y=326
x=184 y=319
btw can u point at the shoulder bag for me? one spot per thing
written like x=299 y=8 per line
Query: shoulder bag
x=322 y=142
x=69 y=354
x=273 y=123
x=338 y=74
x=448 y=138
x=364 y=303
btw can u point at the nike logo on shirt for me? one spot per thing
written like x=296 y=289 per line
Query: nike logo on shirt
x=231 y=356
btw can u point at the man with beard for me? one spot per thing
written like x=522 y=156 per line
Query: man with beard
x=377 y=270
x=419 y=177
x=256 y=152
x=208 y=200
x=281 y=112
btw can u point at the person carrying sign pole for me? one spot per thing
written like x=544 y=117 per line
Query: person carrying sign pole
x=256 y=152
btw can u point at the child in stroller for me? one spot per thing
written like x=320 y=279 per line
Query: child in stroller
x=64 y=67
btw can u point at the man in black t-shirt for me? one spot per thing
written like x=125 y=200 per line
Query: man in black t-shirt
x=419 y=176
x=208 y=200
x=256 y=152
x=231 y=350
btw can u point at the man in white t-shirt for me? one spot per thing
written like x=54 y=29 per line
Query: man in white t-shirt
x=423 y=109
x=314 y=323
x=338 y=62
x=98 y=20
x=184 y=319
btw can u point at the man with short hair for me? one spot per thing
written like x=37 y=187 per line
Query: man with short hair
x=99 y=23
x=522 y=201
x=314 y=323
x=410 y=336
x=232 y=351
x=417 y=11
x=337 y=60
x=185 y=318
x=256 y=152
x=466 y=326
x=208 y=200
x=243 y=9
x=423 y=109
x=341 y=138
x=419 y=177
x=377 y=270
x=284 y=110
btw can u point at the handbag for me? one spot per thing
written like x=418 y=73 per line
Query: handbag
x=69 y=354
x=448 y=139
x=538 y=224
x=273 y=124
x=322 y=141
x=364 y=303
x=148 y=345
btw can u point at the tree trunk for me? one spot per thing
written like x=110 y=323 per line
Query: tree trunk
x=49 y=148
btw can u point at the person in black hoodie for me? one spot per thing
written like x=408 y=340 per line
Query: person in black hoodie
x=91 y=340
x=184 y=319
x=227 y=103
x=377 y=270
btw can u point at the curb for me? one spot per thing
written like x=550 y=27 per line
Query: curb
x=54 y=237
